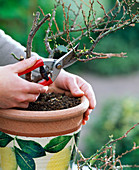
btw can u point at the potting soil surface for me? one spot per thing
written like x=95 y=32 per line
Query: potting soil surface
x=53 y=101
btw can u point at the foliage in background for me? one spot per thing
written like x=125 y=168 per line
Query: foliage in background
x=116 y=117
x=119 y=41
x=106 y=157
x=17 y=16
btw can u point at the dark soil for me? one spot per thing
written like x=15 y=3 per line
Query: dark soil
x=53 y=101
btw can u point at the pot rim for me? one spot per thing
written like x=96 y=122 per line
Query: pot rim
x=44 y=116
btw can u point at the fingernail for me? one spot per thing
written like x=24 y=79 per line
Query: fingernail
x=83 y=122
x=79 y=92
x=45 y=88
x=37 y=97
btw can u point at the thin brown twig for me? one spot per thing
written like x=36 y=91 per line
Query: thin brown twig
x=35 y=27
x=42 y=11
x=110 y=144
x=124 y=136
x=56 y=25
x=104 y=26
x=102 y=56
x=76 y=16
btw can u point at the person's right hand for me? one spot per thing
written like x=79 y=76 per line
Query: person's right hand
x=15 y=91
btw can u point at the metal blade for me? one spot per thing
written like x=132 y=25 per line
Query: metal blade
x=69 y=58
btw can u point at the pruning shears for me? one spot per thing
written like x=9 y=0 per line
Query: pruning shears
x=50 y=68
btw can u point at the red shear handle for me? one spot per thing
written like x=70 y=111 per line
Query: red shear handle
x=39 y=63
x=46 y=83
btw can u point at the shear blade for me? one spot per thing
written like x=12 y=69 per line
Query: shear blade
x=69 y=58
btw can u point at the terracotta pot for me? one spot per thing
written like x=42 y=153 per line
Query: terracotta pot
x=39 y=139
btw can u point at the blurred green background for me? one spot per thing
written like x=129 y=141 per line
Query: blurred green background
x=116 y=116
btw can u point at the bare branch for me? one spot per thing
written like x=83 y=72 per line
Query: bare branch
x=111 y=161
x=118 y=17
x=103 y=56
x=110 y=22
x=124 y=136
x=35 y=27
x=47 y=39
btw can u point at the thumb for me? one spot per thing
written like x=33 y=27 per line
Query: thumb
x=24 y=64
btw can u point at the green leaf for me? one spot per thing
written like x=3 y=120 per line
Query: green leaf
x=62 y=48
x=24 y=160
x=33 y=148
x=94 y=159
x=49 y=40
x=5 y=139
x=57 y=144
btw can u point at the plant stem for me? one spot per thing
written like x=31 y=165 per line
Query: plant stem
x=35 y=27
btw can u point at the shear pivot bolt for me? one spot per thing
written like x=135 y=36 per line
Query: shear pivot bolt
x=58 y=66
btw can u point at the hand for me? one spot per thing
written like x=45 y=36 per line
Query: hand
x=78 y=87
x=15 y=91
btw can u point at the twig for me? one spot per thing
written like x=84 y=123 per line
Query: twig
x=124 y=136
x=35 y=27
x=47 y=38
x=108 y=144
x=127 y=166
x=33 y=31
x=100 y=56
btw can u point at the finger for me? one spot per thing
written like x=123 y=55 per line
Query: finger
x=37 y=88
x=31 y=97
x=34 y=88
x=24 y=65
x=83 y=122
x=22 y=105
x=74 y=88
x=87 y=113
x=86 y=118
x=88 y=92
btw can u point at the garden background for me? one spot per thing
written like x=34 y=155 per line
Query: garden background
x=115 y=81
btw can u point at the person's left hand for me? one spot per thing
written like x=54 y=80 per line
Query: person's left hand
x=78 y=87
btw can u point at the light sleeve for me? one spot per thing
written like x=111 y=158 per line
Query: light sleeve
x=8 y=46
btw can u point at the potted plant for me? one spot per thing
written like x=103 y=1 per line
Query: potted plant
x=47 y=139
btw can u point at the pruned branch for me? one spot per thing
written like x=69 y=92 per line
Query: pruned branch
x=95 y=56
x=110 y=22
x=84 y=24
x=35 y=27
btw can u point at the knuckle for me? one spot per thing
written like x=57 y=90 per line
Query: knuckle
x=70 y=79
x=89 y=87
x=25 y=62
x=39 y=89
x=85 y=86
x=26 y=88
